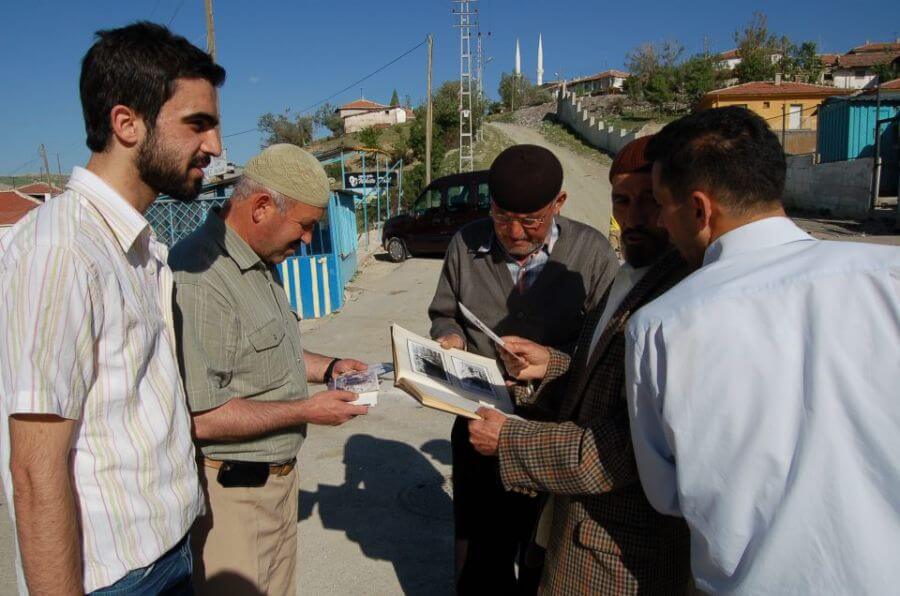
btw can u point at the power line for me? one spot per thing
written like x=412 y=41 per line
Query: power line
x=175 y=14
x=153 y=12
x=347 y=88
x=368 y=76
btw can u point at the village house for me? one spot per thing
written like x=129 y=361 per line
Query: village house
x=363 y=113
x=857 y=68
x=14 y=204
x=606 y=82
x=784 y=105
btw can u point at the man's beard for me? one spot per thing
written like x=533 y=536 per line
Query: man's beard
x=645 y=253
x=159 y=169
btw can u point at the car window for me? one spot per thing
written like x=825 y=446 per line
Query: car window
x=484 y=196
x=430 y=199
x=457 y=197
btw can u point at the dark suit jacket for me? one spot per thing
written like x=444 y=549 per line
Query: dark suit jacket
x=606 y=538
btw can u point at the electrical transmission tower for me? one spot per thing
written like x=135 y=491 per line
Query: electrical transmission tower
x=479 y=79
x=468 y=19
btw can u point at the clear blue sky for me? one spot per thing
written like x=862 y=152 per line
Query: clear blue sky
x=291 y=54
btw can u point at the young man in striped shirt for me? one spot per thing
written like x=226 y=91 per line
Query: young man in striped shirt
x=98 y=460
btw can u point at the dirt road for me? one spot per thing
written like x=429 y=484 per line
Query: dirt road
x=585 y=181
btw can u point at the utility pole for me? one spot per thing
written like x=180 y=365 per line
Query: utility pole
x=210 y=31
x=428 y=115
x=46 y=168
x=479 y=73
x=58 y=169
x=466 y=13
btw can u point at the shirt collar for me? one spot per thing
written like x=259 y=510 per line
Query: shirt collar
x=230 y=241
x=549 y=241
x=765 y=233
x=126 y=222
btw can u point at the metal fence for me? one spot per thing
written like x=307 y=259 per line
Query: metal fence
x=173 y=220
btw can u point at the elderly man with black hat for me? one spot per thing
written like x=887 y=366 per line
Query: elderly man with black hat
x=246 y=373
x=525 y=271
x=602 y=535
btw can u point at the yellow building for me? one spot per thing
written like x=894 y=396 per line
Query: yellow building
x=794 y=106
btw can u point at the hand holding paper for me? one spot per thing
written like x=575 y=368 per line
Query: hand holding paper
x=524 y=359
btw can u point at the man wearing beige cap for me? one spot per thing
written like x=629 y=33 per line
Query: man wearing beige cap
x=246 y=373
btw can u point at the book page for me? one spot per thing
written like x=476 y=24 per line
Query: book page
x=449 y=375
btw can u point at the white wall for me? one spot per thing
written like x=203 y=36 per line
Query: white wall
x=842 y=188
x=388 y=116
x=847 y=79
x=596 y=133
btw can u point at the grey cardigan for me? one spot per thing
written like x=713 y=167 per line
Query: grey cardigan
x=551 y=312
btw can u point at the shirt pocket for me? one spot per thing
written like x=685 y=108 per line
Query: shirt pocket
x=271 y=355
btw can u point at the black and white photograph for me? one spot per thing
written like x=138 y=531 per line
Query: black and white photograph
x=472 y=377
x=426 y=361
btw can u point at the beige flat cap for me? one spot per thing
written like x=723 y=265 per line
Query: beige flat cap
x=291 y=171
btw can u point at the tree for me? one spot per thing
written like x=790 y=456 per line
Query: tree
x=697 y=77
x=327 y=117
x=755 y=48
x=281 y=129
x=395 y=99
x=654 y=71
x=805 y=63
x=517 y=92
x=886 y=72
x=368 y=137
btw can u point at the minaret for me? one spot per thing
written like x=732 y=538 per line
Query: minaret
x=540 y=70
x=518 y=60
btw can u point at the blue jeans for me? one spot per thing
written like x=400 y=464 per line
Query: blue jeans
x=169 y=575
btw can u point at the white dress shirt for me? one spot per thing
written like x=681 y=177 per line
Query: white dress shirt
x=86 y=334
x=625 y=279
x=764 y=395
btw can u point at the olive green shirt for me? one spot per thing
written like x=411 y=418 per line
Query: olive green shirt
x=237 y=335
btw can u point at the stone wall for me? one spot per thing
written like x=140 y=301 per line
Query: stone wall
x=595 y=132
x=842 y=188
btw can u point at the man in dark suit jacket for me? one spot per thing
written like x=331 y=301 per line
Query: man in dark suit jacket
x=602 y=535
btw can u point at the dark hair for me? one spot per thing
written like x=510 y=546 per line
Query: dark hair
x=730 y=152
x=137 y=66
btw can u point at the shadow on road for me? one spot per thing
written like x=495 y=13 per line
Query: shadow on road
x=395 y=505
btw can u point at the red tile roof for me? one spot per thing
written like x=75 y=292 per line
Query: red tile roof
x=14 y=205
x=769 y=89
x=606 y=74
x=729 y=55
x=38 y=188
x=888 y=46
x=829 y=59
x=895 y=84
x=867 y=59
x=363 y=104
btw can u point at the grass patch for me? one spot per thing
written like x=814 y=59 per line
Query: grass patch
x=485 y=152
x=560 y=134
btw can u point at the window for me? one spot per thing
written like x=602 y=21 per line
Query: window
x=484 y=196
x=766 y=105
x=430 y=199
x=457 y=197
x=859 y=72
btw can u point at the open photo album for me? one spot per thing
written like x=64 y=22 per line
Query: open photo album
x=452 y=380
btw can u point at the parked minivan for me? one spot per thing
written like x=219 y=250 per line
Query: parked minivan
x=446 y=205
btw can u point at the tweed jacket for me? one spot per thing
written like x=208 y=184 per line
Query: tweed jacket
x=605 y=537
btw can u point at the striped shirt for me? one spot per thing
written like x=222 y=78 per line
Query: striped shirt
x=87 y=334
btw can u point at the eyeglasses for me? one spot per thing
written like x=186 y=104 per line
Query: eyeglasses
x=528 y=223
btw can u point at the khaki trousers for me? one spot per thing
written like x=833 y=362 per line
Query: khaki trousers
x=246 y=543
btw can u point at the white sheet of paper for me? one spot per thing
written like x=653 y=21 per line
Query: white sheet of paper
x=477 y=322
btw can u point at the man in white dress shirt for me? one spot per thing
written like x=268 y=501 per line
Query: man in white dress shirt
x=763 y=389
x=98 y=462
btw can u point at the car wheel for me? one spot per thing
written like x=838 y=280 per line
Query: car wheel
x=396 y=250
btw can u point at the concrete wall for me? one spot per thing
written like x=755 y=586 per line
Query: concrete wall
x=841 y=188
x=798 y=141
x=389 y=116
x=595 y=132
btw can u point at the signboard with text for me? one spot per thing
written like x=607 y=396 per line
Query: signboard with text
x=355 y=180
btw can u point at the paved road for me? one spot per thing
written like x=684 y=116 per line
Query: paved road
x=585 y=181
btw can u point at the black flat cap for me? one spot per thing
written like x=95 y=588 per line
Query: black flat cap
x=525 y=178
